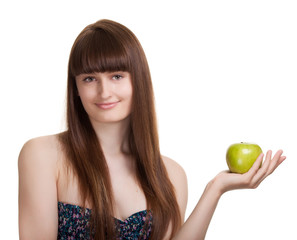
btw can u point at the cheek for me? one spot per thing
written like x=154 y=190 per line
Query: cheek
x=86 y=97
x=86 y=93
x=127 y=91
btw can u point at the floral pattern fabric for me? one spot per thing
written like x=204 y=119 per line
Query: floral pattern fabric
x=74 y=224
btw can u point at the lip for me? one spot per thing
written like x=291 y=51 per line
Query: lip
x=105 y=106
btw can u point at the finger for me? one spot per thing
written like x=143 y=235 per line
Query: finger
x=266 y=163
x=267 y=160
x=274 y=163
x=253 y=170
x=283 y=158
x=261 y=173
x=277 y=155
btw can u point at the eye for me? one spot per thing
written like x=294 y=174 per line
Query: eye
x=117 y=77
x=89 y=79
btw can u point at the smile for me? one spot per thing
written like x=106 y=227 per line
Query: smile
x=105 y=106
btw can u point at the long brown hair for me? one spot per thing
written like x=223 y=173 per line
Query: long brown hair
x=107 y=46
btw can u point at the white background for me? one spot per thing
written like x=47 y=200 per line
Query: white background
x=223 y=72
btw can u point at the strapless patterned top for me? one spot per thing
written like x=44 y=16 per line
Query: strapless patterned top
x=73 y=224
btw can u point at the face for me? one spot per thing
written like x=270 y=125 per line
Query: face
x=106 y=96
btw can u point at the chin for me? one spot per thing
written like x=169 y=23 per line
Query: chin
x=111 y=119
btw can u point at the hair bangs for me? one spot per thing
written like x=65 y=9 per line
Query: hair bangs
x=98 y=51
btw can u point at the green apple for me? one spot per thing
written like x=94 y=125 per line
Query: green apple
x=241 y=156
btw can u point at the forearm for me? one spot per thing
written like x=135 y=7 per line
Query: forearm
x=196 y=226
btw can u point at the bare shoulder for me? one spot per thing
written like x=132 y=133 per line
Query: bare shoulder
x=175 y=170
x=37 y=166
x=178 y=178
x=44 y=150
x=45 y=144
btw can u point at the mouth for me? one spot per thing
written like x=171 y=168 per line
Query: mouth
x=108 y=105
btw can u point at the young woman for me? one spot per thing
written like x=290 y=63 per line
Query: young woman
x=104 y=177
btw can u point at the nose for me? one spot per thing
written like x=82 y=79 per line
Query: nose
x=104 y=89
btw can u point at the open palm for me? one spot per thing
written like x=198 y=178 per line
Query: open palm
x=251 y=179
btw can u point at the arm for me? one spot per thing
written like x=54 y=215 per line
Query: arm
x=196 y=226
x=38 y=213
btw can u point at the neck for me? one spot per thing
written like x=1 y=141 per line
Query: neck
x=113 y=137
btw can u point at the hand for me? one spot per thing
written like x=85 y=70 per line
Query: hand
x=229 y=181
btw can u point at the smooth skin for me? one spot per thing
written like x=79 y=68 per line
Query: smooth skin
x=43 y=182
x=43 y=179
x=196 y=226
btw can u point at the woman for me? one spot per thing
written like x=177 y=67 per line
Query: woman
x=104 y=177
